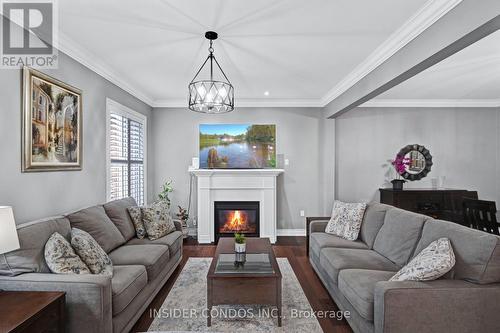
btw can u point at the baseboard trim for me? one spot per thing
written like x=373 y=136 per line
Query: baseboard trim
x=291 y=232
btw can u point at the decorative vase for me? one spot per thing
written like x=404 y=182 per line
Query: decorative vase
x=239 y=248
x=397 y=184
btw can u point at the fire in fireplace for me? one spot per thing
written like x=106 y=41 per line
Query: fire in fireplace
x=236 y=216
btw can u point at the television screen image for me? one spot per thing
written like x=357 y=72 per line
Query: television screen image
x=237 y=146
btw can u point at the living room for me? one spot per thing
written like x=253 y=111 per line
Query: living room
x=263 y=166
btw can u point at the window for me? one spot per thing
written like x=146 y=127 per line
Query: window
x=126 y=146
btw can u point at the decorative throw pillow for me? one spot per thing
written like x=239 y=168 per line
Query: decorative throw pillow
x=346 y=219
x=434 y=261
x=136 y=215
x=157 y=220
x=91 y=252
x=61 y=258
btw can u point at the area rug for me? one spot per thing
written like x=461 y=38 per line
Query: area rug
x=184 y=309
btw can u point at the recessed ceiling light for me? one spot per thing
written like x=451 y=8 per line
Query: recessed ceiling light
x=266 y=93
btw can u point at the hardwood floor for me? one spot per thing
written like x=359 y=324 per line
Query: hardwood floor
x=292 y=248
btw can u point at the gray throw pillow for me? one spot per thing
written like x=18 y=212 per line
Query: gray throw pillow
x=431 y=263
x=136 y=215
x=91 y=252
x=346 y=220
x=157 y=220
x=61 y=258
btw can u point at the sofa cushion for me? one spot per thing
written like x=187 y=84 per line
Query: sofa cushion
x=126 y=283
x=477 y=253
x=32 y=238
x=346 y=219
x=157 y=220
x=91 y=252
x=372 y=222
x=399 y=235
x=431 y=263
x=153 y=257
x=334 y=260
x=358 y=286
x=172 y=240
x=61 y=258
x=320 y=240
x=95 y=221
x=118 y=214
x=136 y=216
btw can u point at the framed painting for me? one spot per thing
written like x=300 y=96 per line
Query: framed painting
x=52 y=124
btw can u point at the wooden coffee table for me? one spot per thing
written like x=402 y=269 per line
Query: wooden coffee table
x=244 y=287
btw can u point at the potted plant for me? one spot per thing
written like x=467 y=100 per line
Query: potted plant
x=239 y=243
x=399 y=164
x=166 y=189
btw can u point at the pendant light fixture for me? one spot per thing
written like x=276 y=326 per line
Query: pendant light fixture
x=211 y=96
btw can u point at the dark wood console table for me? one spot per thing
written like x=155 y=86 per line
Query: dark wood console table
x=444 y=204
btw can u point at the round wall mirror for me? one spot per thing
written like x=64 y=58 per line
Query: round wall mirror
x=419 y=162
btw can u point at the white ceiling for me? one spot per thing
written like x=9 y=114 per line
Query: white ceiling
x=471 y=74
x=296 y=50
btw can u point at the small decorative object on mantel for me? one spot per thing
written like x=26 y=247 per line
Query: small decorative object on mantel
x=52 y=124
x=399 y=164
x=166 y=189
x=239 y=243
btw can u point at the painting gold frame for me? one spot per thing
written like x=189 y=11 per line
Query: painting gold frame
x=47 y=154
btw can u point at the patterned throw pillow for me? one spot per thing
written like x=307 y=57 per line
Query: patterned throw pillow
x=61 y=258
x=346 y=220
x=136 y=215
x=434 y=261
x=157 y=220
x=91 y=252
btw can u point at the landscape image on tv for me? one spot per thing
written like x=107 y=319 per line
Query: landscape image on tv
x=237 y=146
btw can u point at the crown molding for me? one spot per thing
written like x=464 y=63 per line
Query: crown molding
x=432 y=11
x=86 y=58
x=249 y=102
x=432 y=103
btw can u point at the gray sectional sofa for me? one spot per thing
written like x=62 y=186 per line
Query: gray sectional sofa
x=96 y=303
x=356 y=274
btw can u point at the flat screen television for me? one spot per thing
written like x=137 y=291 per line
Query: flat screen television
x=237 y=146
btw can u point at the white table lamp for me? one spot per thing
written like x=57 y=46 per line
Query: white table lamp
x=8 y=232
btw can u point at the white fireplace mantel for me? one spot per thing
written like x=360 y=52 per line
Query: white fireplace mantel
x=236 y=185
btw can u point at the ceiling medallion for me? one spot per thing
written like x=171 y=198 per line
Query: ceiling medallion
x=211 y=96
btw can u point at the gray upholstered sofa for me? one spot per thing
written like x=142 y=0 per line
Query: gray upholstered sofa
x=356 y=274
x=96 y=303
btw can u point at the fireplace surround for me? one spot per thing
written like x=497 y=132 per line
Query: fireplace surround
x=236 y=216
x=213 y=185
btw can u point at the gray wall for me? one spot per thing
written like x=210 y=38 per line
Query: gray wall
x=36 y=195
x=175 y=133
x=464 y=143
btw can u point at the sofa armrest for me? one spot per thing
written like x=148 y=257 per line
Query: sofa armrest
x=314 y=224
x=88 y=297
x=436 y=306
x=318 y=225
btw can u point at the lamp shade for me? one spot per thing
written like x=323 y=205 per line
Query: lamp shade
x=8 y=232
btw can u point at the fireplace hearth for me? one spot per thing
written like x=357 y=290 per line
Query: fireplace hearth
x=236 y=216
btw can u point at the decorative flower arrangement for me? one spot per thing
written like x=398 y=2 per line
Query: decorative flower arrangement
x=399 y=164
